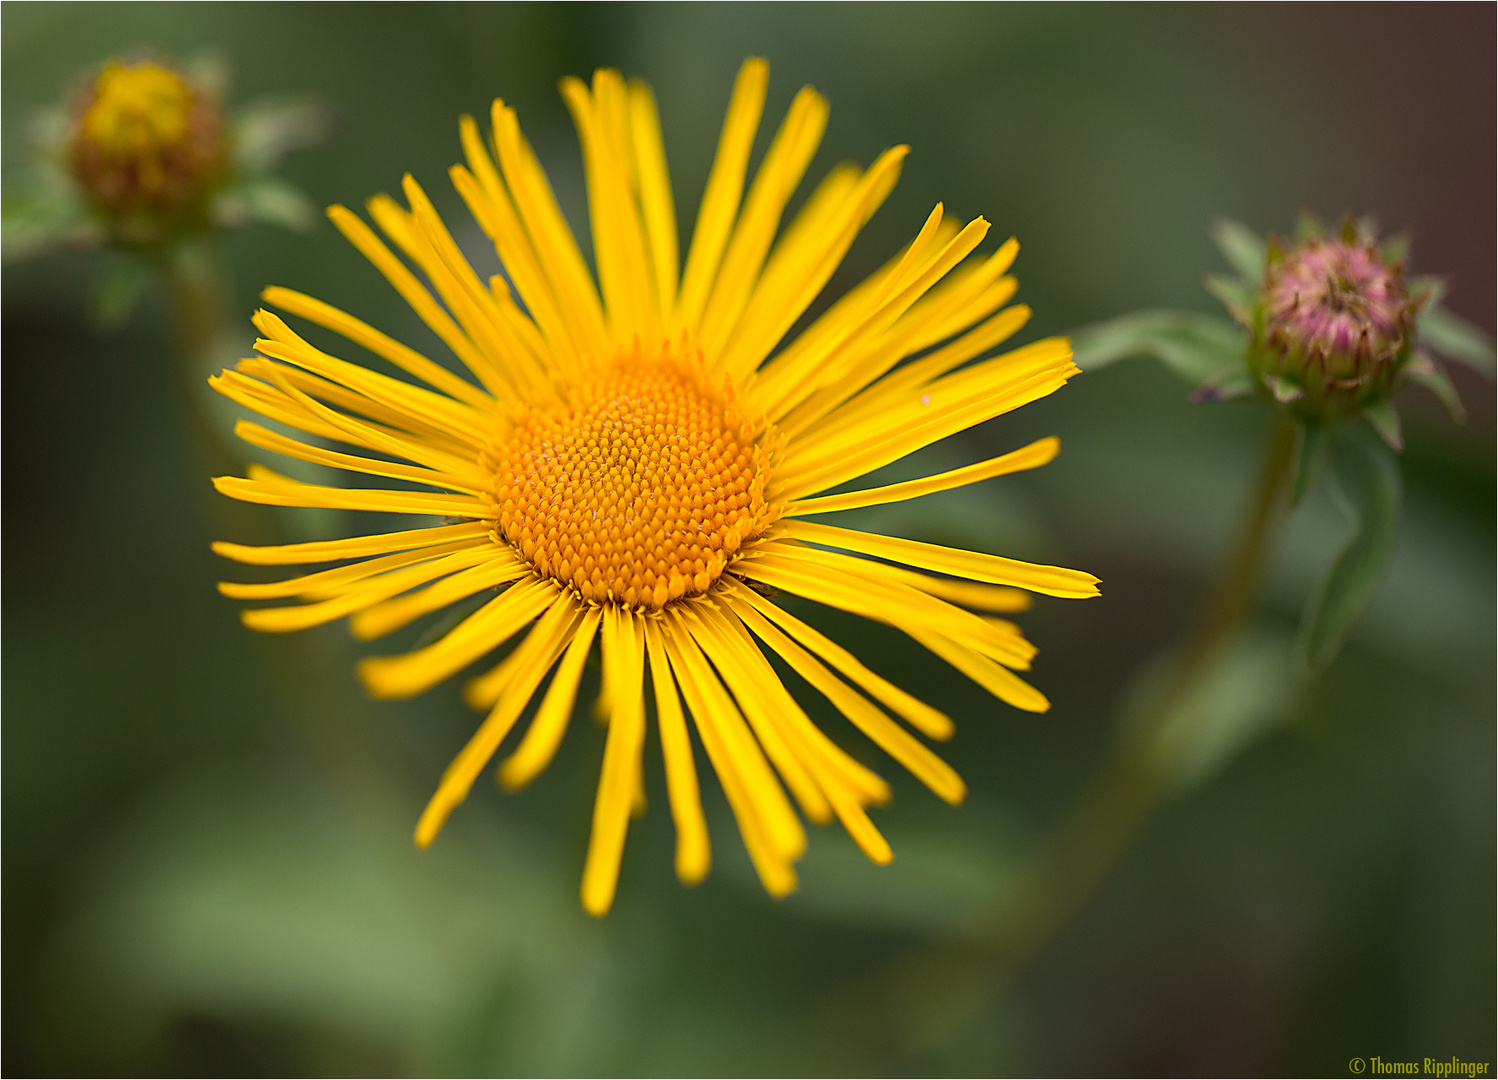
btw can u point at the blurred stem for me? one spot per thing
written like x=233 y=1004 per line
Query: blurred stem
x=197 y=290
x=1099 y=829
x=310 y=674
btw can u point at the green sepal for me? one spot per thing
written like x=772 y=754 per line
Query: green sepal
x=1308 y=227
x=1422 y=370
x=1243 y=249
x=1365 y=477
x=1396 y=249
x=1455 y=338
x=125 y=283
x=1194 y=347
x=1384 y=419
x=1310 y=453
x=1284 y=391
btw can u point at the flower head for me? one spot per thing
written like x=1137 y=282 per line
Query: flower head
x=146 y=143
x=1334 y=325
x=635 y=461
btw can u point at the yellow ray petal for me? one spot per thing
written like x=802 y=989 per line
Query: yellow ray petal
x=361 y=333
x=832 y=768
x=555 y=246
x=753 y=805
x=785 y=163
x=542 y=646
x=405 y=283
x=624 y=273
x=858 y=586
x=753 y=609
x=502 y=566
x=353 y=547
x=778 y=748
x=545 y=733
x=624 y=655
x=725 y=185
x=1033 y=456
x=486 y=629
x=333 y=582
x=290 y=493
x=885 y=733
x=360 y=594
x=1051 y=580
x=940 y=411
x=693 y=850
x=464 y=479
x=657 y=207
x=997 y=680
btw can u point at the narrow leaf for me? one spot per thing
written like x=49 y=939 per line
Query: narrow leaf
x=1242 y=248
x=1456 y=339
x=1423 y=371
x=1385 y=420
x=1366 y=475
x=1233 y=294
x=1193 y=346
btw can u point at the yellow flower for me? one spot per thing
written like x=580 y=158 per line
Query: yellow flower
x=637 y=462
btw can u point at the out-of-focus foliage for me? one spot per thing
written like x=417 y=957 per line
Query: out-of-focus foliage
x=206 y=833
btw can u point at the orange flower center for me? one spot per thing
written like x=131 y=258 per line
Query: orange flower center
x=639 y=490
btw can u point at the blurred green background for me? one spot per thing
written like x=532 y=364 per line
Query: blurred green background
x=207 y=864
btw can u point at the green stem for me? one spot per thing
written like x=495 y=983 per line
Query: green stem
x=310 y=673
x=1100 y=828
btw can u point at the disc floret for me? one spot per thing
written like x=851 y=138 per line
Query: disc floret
x=640 y=488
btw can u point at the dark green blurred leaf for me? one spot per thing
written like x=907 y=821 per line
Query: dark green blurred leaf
x=1366 y=476
x=1242 y=248
x=123 y=287
x=1194 y=347
x=1309 y=455
x=1233 y=294
x=1244 y=693
x=266 y=131
x=1455 y=338
x=1424 y=371
x=32 y=221
x=1385 y=420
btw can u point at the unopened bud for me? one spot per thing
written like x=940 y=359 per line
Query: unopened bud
x=1333 y=326
x=147 y=146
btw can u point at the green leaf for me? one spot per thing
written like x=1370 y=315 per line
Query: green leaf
x=1194 y=347
x=1242 y=248
x=1365 y=476
x=266 y=131
x=1243 y=693
x=1455 y=338
x=1385 y=420
x=1424 y=371
x=1232 y=293
x=123 y=287
x=1309 y=456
